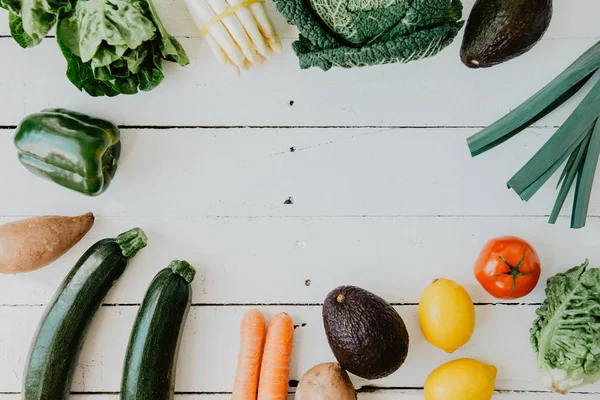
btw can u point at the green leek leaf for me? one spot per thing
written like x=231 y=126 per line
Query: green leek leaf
x=568 y=167
x=540 y=104
x=531 y=190
x=570 y=177
x=585 y=180
x=561 y=144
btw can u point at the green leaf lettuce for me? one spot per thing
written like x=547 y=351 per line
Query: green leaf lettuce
x=31 y=20
x=116 y=46
x=111 y=46
x=566 y=333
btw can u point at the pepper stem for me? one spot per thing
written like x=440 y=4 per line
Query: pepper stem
x=183 y=269
x=132 y=241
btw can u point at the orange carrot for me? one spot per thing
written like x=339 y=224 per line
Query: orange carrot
x=252 y=332
x=275 y=369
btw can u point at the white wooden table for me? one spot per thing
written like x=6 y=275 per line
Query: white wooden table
x=385 y=196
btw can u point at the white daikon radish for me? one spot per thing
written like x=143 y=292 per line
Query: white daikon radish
x=202 y=13
x=236 y=30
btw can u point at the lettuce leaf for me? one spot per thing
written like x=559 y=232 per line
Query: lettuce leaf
x=116 y=46
x=112 y=47
x=170 y=48
x=102 y=30
x=14 y=6
x=31 y=20
x=566 y=333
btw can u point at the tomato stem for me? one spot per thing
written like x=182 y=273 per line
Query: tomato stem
x=514 y=271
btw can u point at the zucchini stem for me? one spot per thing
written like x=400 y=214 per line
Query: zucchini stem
x=183 y=269
x=132 y=241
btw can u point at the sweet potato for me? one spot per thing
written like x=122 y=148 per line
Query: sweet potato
x=36 y=242
x=326 y=382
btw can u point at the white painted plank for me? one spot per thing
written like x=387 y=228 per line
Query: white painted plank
x=245 y=172
x=179 y=184
x=435 y=92
x=268 y=260
x=209 y=348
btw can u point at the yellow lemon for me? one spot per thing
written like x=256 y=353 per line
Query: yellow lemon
x=446 y=315
x=464 y=379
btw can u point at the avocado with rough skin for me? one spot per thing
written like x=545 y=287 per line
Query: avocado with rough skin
x=365 y=333
x=500 y=30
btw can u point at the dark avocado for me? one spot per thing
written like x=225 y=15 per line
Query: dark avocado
x=365 y=333
x=500 y=30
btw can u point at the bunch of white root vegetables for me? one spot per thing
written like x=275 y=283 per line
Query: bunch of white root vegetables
x=239 y=32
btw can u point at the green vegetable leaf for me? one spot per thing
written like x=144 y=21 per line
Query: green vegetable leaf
x=540 y=104
x=151 y=74
x=558 y=148
x=31 y=20
x=135 y=58
x=585 y=180
x=169 y=46
x=82 y=76
x=39 y=16
x=577 y=141
x=566 y=332
x=116 y=46
x=15 y=24
x=360 y=21
x=359 y=33
x=14 y=6
x=103 y=30
x=106 y=55
x=571 y=171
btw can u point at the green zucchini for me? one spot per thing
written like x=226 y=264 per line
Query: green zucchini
x=149 y=372
x=61 y=333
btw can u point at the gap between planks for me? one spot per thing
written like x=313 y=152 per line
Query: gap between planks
x=301 y=217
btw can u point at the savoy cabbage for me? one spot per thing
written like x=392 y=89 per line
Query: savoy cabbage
x=566 y=333
x=353 y=33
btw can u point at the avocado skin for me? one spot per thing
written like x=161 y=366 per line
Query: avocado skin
x=500 y=30
x=365 y=333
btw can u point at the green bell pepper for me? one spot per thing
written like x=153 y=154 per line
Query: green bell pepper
x=69 y=148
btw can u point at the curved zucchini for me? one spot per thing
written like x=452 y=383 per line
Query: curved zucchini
x=149 y=372
x=61 y=333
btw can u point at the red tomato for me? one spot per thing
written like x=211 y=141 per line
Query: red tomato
x=508 y=268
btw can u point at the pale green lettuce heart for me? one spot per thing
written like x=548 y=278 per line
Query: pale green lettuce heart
x=566 y=333
x=118 y=23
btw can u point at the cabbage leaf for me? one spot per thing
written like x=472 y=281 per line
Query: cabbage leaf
x=566 y=333
x=354 y=33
